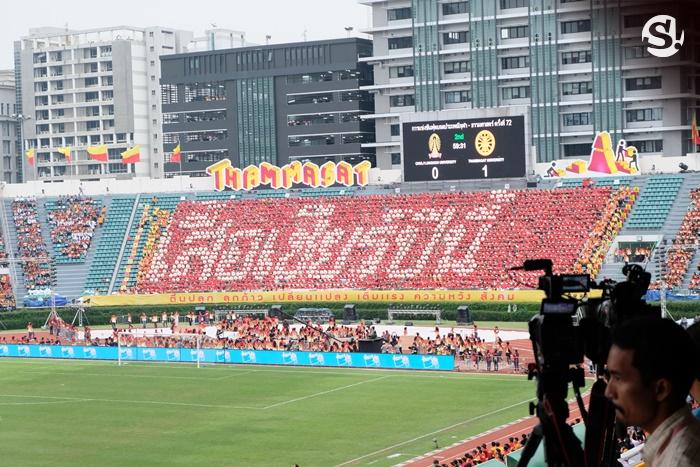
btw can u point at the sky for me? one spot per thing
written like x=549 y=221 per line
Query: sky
x=284 y=20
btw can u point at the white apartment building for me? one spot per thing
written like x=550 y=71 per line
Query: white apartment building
x=89 y=88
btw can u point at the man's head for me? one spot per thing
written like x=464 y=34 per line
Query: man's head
x=651 y=368
x=694 y=332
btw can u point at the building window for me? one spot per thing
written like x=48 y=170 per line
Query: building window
x=576 y=119
x=458 y=97
x=457 y=67
x=570 y=27
x=404 y=100
x=307 y=78
x=639 y=84
x=316 y=140
x=319 y=98
x=396 y=14
x=636 y=21
x=455 y=8
x=516 y=92
x=515 y=32
x=508 y=63
x=649 y=145
x=579 y=56
x=644 y=115
x=400 y=42
x=506 y=4
x=572 y=89
x=456 y=37
x=396 y=130
x=636 y=51
x=577 y=150
x=401 y=71
x=395 y=158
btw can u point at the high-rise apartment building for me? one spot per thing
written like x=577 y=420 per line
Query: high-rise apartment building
x=92 y=88
x=578 y=65
x=8 y=128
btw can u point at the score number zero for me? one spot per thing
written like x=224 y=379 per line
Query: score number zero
x=436 y=173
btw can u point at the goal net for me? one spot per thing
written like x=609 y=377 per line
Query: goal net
x=141 y=345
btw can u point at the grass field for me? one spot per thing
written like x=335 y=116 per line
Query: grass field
x=69 y=413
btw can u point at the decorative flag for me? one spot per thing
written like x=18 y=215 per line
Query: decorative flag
x=30 y=156
x=694 y=131
x=175 y=157
x=132 y=155
x=66 y=152
x=98 y=153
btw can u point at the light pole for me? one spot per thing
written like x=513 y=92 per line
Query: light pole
x=267 y=39
x=20 y=119
x=349 y=30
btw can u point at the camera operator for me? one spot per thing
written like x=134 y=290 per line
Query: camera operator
x=651 y=366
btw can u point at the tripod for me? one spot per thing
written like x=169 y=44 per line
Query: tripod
x=80 y=316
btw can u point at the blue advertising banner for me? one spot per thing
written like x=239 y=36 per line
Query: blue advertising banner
x=257 y=357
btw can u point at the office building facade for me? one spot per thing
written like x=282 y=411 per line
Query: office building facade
x=578 y=65
x=90 y=88
x=274 y=103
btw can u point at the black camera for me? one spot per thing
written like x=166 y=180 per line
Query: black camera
x=567 y=329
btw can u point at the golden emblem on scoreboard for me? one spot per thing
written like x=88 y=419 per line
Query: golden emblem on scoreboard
x=485 y=143
x=434 y=146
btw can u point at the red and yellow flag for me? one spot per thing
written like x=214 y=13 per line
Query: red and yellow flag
x=98 y=153
x=176 y=156
x=66 y=153
x=30 y=156
x=695 y=134
x=132 y=155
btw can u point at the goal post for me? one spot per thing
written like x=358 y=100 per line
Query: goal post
x=141 y=345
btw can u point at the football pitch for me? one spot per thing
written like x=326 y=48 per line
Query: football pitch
x=77 y=413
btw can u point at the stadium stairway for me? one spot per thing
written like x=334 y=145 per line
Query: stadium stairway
x=125 y=240
x=10 y=235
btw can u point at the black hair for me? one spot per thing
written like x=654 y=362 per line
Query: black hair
x=662 y=349
x=694 y=332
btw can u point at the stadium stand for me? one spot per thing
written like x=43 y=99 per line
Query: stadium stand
x=154 y=215
x=444 y=240
x=685 y=245
x=655 y=202
x=38 y=272
x=102 y=267
x=72 y=221
x=7 y=298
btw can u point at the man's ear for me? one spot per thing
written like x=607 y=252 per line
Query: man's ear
x=662 y=389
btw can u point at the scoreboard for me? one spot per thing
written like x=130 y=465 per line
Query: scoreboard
x=468 y=149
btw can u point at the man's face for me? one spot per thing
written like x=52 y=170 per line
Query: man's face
x=635 y=404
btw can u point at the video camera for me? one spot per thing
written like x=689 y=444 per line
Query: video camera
x=567 y=329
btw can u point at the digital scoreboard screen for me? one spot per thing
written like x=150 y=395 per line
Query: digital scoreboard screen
x=477 y=148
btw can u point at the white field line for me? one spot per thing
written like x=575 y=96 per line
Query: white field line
x=473 y=419
x=43 y=402
x=323 y=392
x=128 y=401
x=126 y=375
x=275 y=369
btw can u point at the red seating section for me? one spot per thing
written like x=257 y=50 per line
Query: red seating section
x=424 y=241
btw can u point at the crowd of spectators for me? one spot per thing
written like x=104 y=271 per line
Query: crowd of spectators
x=36 y=263
x=684 y=246
x=73 y=223
x=418 y=241
x=605 y=229
x=487 y=452
x=636 y=254
x=7 y=298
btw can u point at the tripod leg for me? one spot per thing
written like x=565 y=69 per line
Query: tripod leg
x=531 y=446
